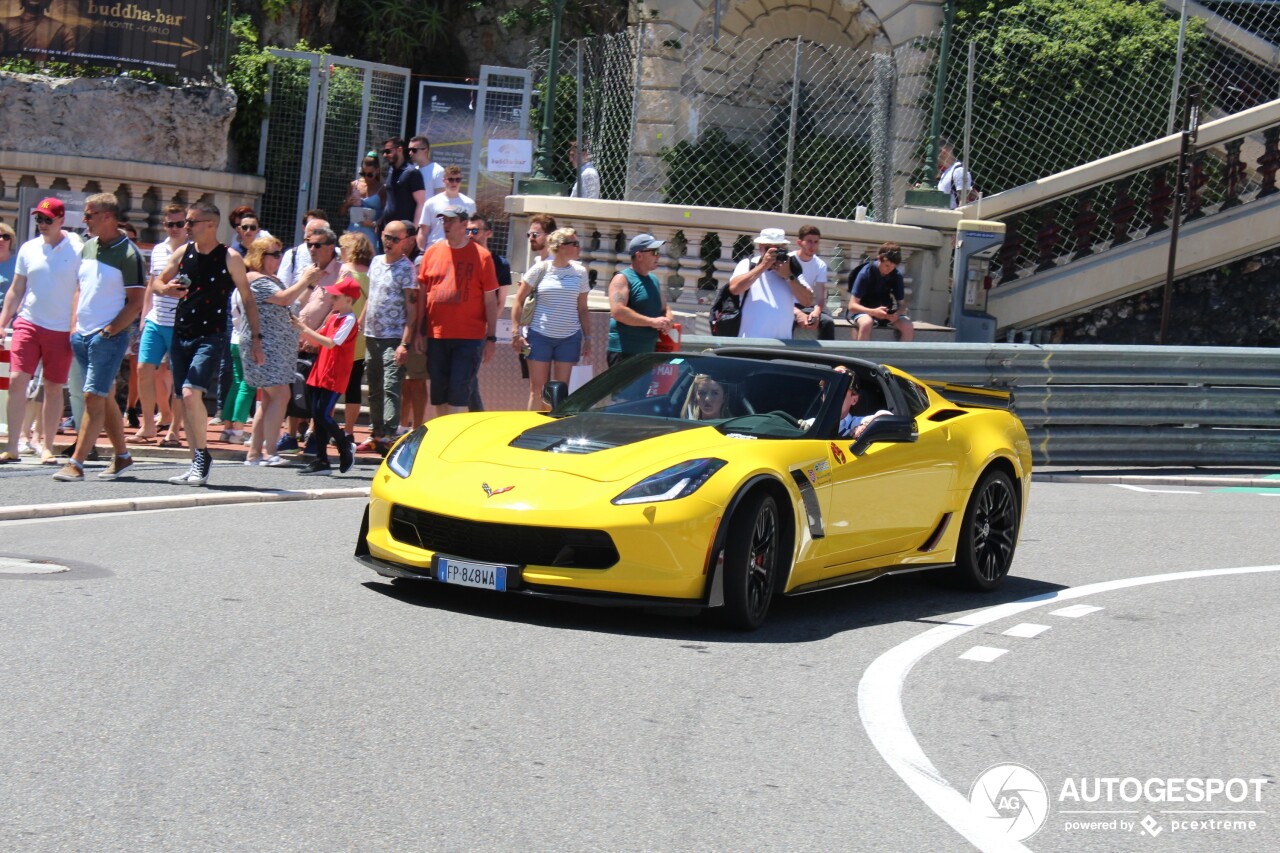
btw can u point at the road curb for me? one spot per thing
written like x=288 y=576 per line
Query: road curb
x=30 y=511
x=1160 y=480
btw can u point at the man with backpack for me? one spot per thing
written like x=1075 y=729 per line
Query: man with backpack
x=953 y=178
x=877 y=296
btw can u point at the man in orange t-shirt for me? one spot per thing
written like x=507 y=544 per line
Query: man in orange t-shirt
x=457 y=315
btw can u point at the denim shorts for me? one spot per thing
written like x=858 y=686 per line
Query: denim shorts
x=196 y=361
x=453 y=364
x=560 y=350
x=100 y=358
x=156 y=342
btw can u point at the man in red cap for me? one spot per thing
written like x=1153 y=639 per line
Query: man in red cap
x=42 y=298
x=331 y=374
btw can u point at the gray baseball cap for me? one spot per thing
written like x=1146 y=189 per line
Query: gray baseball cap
x=643 y=243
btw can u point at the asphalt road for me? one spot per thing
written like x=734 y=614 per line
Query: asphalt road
x=227 y=678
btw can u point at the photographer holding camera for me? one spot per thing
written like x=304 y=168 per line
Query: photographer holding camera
x=769 y=287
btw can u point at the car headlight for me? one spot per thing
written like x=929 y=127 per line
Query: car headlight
x=678 y=481
x=400 y=459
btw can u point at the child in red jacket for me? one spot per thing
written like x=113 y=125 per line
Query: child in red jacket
x=331 y=373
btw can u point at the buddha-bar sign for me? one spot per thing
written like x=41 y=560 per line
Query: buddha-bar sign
x=163 y=36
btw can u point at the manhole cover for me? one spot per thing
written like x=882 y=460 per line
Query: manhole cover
x=19 y=566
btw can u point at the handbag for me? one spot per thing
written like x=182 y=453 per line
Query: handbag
x=299 y=405
x=531 y=278
x=726 y=313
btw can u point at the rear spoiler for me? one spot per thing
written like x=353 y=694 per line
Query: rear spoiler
x=973 y=395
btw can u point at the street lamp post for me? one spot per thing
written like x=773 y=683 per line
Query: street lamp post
x=541 y=182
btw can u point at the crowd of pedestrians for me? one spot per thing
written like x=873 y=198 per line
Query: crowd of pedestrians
x=407 y=299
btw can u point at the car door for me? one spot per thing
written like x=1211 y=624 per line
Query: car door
x=890 y=499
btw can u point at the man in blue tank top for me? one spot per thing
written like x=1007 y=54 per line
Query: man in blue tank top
x=639 y=312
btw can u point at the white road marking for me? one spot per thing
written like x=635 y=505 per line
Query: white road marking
x=1027 y=630
x=1153 y=491
x=983 y=654
x=880 y=701
x=1075 y=611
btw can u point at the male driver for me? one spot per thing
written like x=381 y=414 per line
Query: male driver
x=457 y=313
x=637 y=309
x=430 y=227
x=877 y=296
x=404 y=193
x=587 y=184
x=206 y=271
x=43 y=298
x=388 y=331
x=813 y=275
x=772 y=293
x=851 y=425
x=432 y=172
x=112 y=283
x=480 y=231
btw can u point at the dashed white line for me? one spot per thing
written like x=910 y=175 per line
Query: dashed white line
x=1153 y=491
x=880 y=702
x=1075 y=611
x=1026 y=630
x=983 y=654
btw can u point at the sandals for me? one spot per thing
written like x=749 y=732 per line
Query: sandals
x=169 y=442
x=143 y=439
x=7 y=457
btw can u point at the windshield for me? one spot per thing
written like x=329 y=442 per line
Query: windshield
x=737 y=396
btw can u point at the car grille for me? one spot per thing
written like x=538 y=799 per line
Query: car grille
x=514 y=544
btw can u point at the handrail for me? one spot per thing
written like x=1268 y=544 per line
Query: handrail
x=1124 y=163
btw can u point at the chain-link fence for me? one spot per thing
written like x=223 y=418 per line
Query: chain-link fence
x=324 y=114
x=1056 y=87
x=795 y=126
x=786 y=125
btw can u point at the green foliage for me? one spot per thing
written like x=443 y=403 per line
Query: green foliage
x=1077 y=60
x=717 y=172
x=403 y=29
x=582 y=16
x=248 y=74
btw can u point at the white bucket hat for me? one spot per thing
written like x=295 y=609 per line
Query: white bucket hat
x=772 y=237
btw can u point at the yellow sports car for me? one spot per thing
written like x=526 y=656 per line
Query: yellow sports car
x=711 y=480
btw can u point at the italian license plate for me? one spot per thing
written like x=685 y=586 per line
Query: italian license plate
x=468 y=573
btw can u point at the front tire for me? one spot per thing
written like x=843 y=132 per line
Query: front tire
x=751 y=562
x=989 y=535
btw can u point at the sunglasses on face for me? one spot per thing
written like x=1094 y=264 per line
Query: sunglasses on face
x=248 y=227
x=534 y=234
x=275 y=254
x=370 y=174
x=315 y=246
x=387 y=152
x=5 y=237
x=569 y=243
x=178 y=224
x=389 y=240
x=191 y=222
x=473 y=230
x=416 y=150
x=43 y=220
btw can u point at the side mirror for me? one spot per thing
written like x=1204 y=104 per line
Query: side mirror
x=898 y=429
x=553 y=393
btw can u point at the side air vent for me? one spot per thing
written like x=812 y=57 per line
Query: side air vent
x=946 y=415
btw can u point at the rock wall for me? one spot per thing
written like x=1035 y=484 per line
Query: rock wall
x=1235 y=305
x=116 y=118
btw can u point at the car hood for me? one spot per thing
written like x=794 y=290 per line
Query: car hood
x=602 y=448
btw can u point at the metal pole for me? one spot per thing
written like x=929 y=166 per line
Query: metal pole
x=968 y=125
x=577 y=130
x=1191 y=126
x=635 y=109
x=1177 y=69
x=791 y=132
x=939 y=92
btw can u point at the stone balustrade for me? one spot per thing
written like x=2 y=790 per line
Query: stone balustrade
x=143 y=189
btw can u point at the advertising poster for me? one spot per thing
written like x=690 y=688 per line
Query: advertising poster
x=164 y=36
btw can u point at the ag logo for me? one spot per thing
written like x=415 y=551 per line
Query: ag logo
x=1012 y=798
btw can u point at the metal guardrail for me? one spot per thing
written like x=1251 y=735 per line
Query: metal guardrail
x=1106 y=405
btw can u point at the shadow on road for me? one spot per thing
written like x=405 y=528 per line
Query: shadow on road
x=902 y=598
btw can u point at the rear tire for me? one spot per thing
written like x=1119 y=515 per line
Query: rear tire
x=752 y=556
x=989 y=535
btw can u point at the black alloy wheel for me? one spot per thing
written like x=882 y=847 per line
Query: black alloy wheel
x=990 y=533
x=751 y=562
